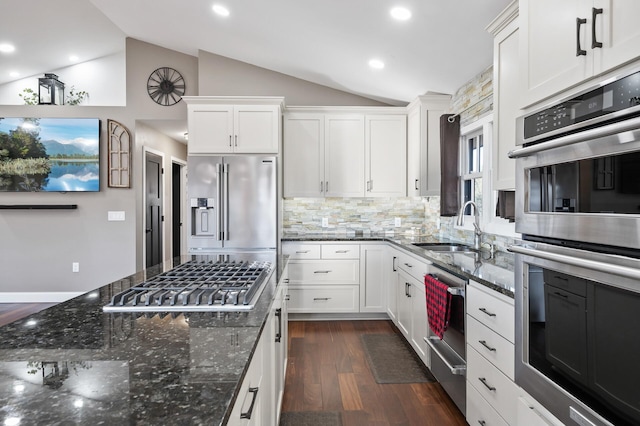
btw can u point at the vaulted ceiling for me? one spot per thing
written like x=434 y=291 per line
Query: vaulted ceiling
x=330 y=42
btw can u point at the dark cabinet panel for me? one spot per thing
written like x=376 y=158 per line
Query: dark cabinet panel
x=566 y=332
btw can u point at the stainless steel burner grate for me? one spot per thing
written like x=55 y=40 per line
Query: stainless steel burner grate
x=196 y=286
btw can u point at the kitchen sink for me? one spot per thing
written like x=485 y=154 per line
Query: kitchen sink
x=446 y=247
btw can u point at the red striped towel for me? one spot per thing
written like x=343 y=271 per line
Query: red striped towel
x=438 y=305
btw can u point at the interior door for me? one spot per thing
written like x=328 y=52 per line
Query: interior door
x=153 y=209
x=176 y=209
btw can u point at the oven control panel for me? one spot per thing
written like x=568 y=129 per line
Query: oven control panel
x=620 y=95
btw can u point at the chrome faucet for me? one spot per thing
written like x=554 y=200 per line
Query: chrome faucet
x=477 y=233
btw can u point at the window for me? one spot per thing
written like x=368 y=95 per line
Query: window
x=472 y=169
x=475 y=167
x=475 y=177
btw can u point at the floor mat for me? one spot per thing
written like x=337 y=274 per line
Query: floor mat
x=310 y=418
x=392 y=360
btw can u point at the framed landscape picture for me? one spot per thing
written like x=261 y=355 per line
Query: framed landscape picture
x=49 y=154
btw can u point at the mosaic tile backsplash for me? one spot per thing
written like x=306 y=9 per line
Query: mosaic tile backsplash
x=304 y=215
x=418 y=216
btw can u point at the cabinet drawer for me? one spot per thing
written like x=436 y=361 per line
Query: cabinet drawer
x=479 y=412
x=325 y=298
x=301 y=251
x=495 y=387
x=414 y=267
x=498 y=350
x=491 y=311
x=340 y=251
x=324 y=272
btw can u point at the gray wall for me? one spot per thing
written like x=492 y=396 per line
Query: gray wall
x=37 y=248
x=222 y=76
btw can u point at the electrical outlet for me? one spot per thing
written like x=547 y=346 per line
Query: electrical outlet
x=325 y=222
x=115 y=216
x=398 y=222
x=75 y=267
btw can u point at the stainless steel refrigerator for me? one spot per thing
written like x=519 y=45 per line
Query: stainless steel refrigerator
x=232 y=203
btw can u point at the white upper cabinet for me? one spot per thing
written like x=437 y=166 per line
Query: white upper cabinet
x=221 y=125
x=303 y=155
x=506 y=83
x=344 y=153
x=386 y=155
x=618 y=30
x=564 y=43
x=423 y=144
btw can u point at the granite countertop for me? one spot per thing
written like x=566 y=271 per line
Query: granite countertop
x=494 y=272
x=75 y=364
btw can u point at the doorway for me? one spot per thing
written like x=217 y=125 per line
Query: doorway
x=177 y=191
x=153 y=209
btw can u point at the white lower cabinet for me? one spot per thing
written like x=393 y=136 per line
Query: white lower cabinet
x=492 y=396
x=323 y=277
x=411 y=317
x=479 y=412
x=496 y=388
x=324 y=298
x=373 y=277
x=259 y=400
x=253 y=398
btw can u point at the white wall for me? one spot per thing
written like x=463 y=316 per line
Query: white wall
x=103 y=78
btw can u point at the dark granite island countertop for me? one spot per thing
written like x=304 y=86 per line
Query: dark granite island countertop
x=73 y=364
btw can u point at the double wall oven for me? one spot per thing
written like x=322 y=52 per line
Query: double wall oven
x=578 y=268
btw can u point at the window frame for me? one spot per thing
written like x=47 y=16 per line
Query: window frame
x=489 y=222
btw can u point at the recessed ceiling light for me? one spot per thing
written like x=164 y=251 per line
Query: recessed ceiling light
x=220 y=10
x=7 y=48
x=73 y=58
x=376 y=63
x=400 y=13
x=14 y=74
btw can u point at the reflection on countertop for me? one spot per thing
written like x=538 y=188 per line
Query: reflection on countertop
x=75 y=364
x=494 y=271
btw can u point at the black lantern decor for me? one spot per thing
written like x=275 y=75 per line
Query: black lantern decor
x=50 y=90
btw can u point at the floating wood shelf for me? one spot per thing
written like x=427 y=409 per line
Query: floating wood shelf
x=38 y=206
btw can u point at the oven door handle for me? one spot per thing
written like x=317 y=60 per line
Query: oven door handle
x=597 y=132
x=458 y=370
x=607 y=268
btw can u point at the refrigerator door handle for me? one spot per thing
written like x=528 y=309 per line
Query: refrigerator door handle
x=220 y=236
x=225 y=198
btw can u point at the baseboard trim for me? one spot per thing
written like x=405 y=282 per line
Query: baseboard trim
x=38 y=297
x=337 y=316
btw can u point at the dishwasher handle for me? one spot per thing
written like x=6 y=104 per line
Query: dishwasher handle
x=458 y=369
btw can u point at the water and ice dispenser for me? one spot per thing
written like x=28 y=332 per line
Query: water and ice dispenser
x=203 y=217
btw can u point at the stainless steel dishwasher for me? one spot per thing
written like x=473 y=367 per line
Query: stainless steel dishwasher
x=448 y=356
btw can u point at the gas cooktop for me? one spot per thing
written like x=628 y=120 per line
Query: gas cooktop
x=197 y=286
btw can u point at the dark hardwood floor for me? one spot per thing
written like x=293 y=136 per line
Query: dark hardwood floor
x=327 y=371
x=10 y=312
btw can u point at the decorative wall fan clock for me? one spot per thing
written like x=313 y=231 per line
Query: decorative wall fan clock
x=165 y=86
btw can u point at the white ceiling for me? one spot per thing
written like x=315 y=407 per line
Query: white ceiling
x=328 y=42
